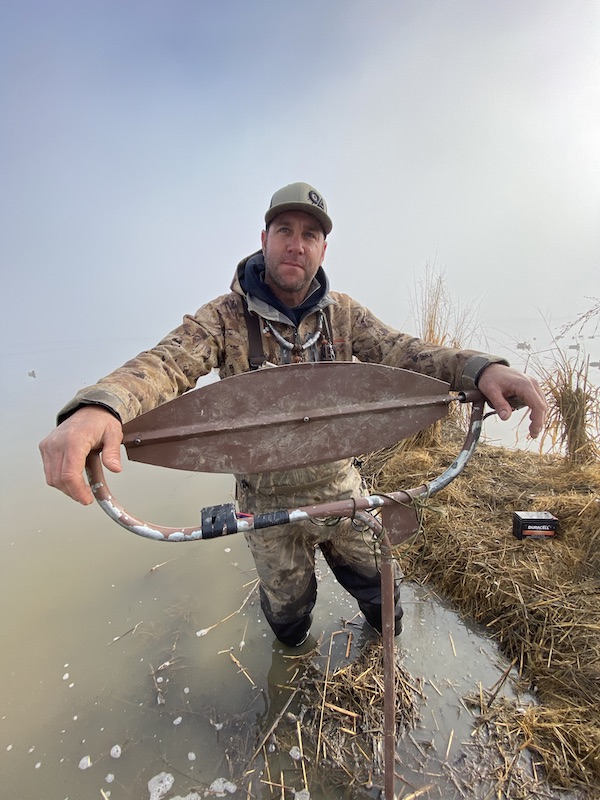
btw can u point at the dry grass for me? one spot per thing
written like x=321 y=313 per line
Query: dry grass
x=539 y=598
x=441 y=321
x=574 y=409
x=343 y=724
x=324 y=732
x=563 y=370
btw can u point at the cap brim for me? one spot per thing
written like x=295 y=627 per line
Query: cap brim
x=314 y=211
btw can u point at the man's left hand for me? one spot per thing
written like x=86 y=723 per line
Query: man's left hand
x=499 y=382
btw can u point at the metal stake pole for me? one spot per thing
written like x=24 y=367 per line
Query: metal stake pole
x=389 y=672
x=388 y=608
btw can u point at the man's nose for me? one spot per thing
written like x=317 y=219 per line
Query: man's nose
x=296 y=243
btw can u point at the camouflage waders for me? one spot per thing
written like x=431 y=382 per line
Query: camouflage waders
x=285 y=555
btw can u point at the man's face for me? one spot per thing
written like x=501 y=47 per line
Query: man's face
x=294 y=248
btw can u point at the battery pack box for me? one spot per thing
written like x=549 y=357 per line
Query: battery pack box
x=534 y=524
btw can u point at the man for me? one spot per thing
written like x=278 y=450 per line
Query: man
x=279 y=310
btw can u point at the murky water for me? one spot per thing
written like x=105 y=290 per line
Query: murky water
x=99 y=643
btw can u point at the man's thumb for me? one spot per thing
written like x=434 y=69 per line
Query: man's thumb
x=111 y=454
x=504 y=412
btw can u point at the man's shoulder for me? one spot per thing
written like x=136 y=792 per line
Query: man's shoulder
x=343 y=300
x=231 y=301
x=341 y=297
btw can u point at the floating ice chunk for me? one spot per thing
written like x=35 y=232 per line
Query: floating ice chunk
x=109 y=778
x=115 y=751
x=160 y=784
x=220 y=786
x=85 y=762
x=295 y=753
x=191 y=756
x=38 y=765
x=177 y=720
x=202 y=632
x=303 y=794
x=66 y=676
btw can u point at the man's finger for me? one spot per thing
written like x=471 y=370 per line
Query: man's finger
x=537 y=419
x=502 y=385
x=499 y=403
x=71 y=480
x=77 y=489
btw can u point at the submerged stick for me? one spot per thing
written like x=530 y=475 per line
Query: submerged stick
x=204 y=631
x=301 y=754
x=276 y=722
x=131 y=630
x=242 y=669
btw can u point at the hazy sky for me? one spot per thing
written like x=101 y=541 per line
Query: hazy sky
x=141 y=142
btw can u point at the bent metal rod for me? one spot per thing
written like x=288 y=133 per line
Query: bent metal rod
x=223 y=520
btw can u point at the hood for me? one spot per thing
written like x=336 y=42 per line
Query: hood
x=268 y=306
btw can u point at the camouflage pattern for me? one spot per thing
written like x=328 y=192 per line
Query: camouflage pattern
x=216 y=338
x=285 y=555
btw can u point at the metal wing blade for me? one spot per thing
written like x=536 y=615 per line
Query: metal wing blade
x=287 y=417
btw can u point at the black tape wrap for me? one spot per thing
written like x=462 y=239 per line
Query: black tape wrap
x=270 y=519
x=218 y=521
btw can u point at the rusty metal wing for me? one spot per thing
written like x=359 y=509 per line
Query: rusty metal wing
x=287 y=417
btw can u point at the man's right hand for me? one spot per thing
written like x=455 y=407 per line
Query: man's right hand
x=65 y=450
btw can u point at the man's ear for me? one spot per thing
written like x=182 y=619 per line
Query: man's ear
x=263 y=240
x=324 y=249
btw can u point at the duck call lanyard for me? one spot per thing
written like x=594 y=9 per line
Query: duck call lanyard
x=256 y=354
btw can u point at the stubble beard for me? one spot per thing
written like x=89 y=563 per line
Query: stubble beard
x=286 y=284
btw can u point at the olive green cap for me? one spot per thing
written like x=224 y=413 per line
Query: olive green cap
x=300 y=197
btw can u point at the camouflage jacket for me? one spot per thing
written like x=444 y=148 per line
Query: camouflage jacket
x=216 y=338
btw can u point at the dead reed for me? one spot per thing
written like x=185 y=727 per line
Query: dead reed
x=441 y=320
x=574 y=408
x=323 y=730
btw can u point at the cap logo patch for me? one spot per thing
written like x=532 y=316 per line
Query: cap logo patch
x=315 y=199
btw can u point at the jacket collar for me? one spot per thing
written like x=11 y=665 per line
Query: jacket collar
x=266 y=305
